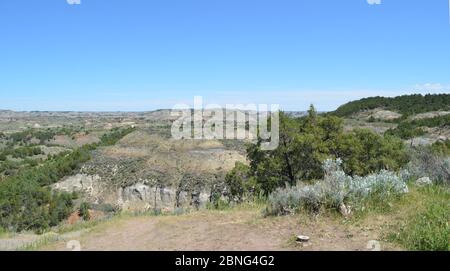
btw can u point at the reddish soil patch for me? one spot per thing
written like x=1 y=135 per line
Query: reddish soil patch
x=75 y=216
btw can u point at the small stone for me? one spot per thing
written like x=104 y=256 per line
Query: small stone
x=346 y=211
x=424 y=181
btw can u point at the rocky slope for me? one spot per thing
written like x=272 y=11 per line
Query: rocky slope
x=147 y=171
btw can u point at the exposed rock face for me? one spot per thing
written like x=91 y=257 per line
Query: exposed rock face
x=378 y=113
x=138 y=192
x=148 y=169
x=386 y=115
x=141 y=196
x=420 y=141
x=86 y=184
x=429 y=115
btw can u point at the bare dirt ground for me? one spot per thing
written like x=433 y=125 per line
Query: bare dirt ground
x=235 y=230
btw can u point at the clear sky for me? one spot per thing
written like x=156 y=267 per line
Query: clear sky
x=148 y=54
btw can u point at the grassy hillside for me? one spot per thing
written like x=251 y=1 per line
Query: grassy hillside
x=406 y=105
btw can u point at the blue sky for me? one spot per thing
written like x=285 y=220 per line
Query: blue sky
x=148 y=54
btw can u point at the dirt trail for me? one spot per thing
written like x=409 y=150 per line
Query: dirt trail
x=227 y=230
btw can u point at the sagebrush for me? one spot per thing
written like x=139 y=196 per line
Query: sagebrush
x=335 y=189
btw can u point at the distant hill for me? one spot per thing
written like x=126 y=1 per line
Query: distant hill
x=406 y=105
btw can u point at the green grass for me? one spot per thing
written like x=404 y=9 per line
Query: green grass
x=4 y=233
x=426 y=228
x=376 y=204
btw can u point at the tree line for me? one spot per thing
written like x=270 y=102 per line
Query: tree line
x=406 y=105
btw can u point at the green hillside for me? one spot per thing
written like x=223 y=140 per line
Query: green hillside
x=406 y=105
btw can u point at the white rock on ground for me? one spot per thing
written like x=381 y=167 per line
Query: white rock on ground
x=424 y=181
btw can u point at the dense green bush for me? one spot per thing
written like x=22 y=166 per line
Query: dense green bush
x=441 y=147
x=406 y=130
x=365 y=152
x=240 y=181
x=83 y=212
x=306 y=142
x=60 y=207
